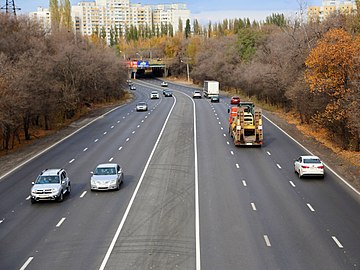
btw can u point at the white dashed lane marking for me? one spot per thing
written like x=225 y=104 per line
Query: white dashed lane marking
x=310 y=207
x=105 y=133
x=227 y=143
x=1 y=220
x=278 y=165
x=253 y=206
x=120 y=148
x=60 y=222
x=244 y=183
x=112 y=127
x=83 y=194
x=28 y=198
x=133 y=132
x=292 y=183
x=267 y=240
x=268 y=153
x=127 y=139
x=224 y=135
x=111 y=159
x=138 y=126
x=71 y=161
x=237 y=165
x=231 y=152
x=96 y=140
x=337 y=242
x=118 y=121
x=85 y=149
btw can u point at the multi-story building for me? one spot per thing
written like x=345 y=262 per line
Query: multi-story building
x=42 y=16
x=328 y=7
x=109 y=16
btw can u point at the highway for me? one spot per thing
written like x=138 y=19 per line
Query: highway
x=190 y=198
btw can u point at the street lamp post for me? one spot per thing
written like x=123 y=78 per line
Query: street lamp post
x=187 y=69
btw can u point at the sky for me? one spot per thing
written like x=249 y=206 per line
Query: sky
x=207 y=10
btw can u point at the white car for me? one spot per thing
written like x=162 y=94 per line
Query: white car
x=197 y=94
x=164 y=84
x=51 y=185
x=309 y=166
x=107 y=176
x=154 y=95
x=141 y=106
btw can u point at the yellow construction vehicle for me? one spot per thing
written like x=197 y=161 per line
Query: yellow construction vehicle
x=245 y=124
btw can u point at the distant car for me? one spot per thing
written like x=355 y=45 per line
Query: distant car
x=309 y=166
x=154 y=95
x=168 y=93
x=106 y=177
x=215 y=99
x=164 y=84
x=141 y=106
x=196 y=94
x=235 y=100
x=132 y=87
x=51 y=184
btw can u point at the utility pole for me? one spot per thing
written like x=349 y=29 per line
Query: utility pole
x=10 y=7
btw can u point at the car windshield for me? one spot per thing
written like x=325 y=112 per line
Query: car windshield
x=105 y=171
x=141 y=103
x=49 y=179
x=312 y=160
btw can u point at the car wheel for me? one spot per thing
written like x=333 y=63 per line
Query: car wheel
x=32 y=201
x=61 y=197
x=68 y=189
x=299 y=174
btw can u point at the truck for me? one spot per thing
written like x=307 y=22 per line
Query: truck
x=245 y=124
x=211 y=88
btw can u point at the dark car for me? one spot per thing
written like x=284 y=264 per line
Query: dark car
x=215 y=99
x=168 y=93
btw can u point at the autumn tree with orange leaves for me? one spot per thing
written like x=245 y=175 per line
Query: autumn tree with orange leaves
x=333 y=68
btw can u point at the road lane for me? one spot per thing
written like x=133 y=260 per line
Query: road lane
x=159 y=230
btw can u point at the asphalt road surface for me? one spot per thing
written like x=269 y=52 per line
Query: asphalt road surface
x=190 y=198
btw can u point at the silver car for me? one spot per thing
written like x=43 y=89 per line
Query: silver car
x=141 y=106
x=51 y=184
x=106 y=177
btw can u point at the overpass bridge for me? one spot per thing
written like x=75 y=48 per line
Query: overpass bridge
x=140 y=67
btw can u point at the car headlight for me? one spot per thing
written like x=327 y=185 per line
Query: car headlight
x=112 y=182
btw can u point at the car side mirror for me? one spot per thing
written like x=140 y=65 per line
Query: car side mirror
x=33 y=183
x=228 y=110
x=92 y=172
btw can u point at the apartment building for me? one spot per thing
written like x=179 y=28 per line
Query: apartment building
x=328 y=7
x=106 y=16
x=42 y=16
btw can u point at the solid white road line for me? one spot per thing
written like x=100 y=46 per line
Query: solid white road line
x=83 y=194
x=244 y=183
x=337 y=242
x=60 y=222
x=278 y=165
x=71 y=161
x=292 y=183
x=267 y=241
x=28 y=261
x=118 y=231
x=310 y=207
x=85 y=149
